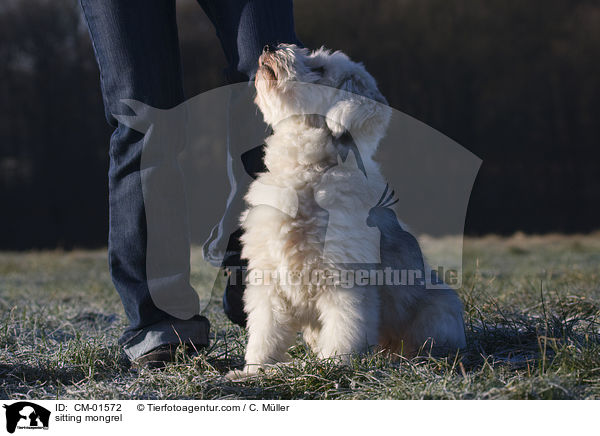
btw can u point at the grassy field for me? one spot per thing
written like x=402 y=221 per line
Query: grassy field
x=531 y=311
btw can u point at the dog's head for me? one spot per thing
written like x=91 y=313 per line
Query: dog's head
x=347 y=95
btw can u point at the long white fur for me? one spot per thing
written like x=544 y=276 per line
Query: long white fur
x=285 y=227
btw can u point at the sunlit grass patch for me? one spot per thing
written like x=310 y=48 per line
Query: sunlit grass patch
x=532 y=307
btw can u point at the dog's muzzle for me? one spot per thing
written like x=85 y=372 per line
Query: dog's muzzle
x=264 y=66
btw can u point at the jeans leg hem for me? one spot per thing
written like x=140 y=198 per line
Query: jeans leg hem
x=193 y=331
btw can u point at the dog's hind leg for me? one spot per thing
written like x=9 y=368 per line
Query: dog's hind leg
x=349 y=322
x=440 y=320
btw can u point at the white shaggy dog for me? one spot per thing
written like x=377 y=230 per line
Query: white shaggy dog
x=308 y=214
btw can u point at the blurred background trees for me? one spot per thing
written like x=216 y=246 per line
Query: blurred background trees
x=517 y=83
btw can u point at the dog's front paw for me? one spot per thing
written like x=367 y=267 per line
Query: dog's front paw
x=242 y=374
x=236 y=375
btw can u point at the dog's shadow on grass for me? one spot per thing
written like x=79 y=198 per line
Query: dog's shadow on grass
x=522 y=340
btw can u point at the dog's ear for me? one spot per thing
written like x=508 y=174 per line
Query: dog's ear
x=360 y=108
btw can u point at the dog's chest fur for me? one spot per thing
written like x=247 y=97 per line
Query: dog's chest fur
x=289 y=240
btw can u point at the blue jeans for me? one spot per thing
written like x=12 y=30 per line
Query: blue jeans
x=137 y=50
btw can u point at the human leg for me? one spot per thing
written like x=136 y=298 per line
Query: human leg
x=136 y=46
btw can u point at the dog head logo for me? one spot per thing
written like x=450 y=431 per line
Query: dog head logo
x=26 y=415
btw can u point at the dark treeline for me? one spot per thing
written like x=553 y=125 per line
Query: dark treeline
x=515 y=82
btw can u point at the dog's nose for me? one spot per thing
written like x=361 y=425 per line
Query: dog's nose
x=269 y=48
